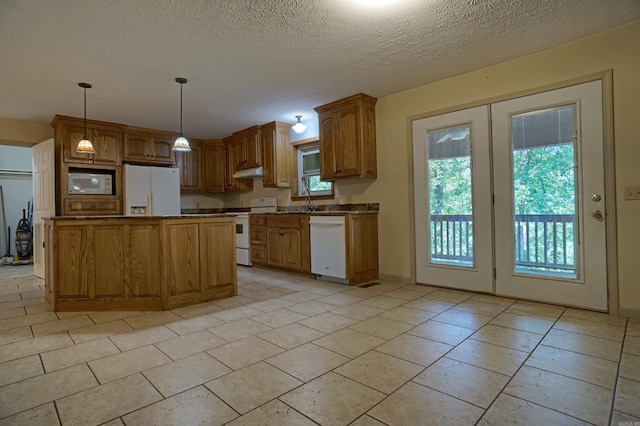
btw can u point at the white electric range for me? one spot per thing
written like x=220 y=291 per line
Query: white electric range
x=243 y=241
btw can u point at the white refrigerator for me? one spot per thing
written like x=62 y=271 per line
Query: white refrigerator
x=151 y=191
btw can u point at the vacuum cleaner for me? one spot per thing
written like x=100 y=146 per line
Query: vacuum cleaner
x=24 y=242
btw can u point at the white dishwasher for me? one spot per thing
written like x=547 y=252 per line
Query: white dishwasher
x=328 y=246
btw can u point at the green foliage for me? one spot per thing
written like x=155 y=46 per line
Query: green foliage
x=450 y=186
x=544 y=180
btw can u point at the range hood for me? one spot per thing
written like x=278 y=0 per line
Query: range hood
x=249 y=173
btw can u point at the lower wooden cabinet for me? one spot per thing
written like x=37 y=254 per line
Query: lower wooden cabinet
x=138 y=263
x=96 y=265
x=199 y=257
x=283 y=241
x=283 y=248
x=362 y=248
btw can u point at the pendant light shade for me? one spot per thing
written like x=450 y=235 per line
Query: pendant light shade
x=85 y=146
x=181 y=143
x=299 y=127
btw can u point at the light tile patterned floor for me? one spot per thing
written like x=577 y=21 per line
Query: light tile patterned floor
x=289 y=350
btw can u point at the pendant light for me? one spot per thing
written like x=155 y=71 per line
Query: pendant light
x=181 y=143
x=85 y=146
x=299 y=127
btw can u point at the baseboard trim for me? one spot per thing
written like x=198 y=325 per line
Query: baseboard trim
x=629 y=312
x=396 y=278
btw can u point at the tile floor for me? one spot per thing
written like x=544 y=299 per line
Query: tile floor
x=289 y=350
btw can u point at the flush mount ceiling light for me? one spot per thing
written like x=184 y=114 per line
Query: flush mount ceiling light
x=85 y=146
x=299 y=127
x=181 y=143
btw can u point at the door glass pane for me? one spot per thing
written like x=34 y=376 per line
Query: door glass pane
x=544 y=192
x=450 y=200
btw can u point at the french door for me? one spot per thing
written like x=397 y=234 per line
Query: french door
x=522 y=213
x=452 y=185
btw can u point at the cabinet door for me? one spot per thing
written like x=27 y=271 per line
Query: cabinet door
x=189 y=164
x=240 y=154
x=277 y=155
x=183 y=164
x=305 y=243
x=143 y=261
x=291 y=249
x=217 y=259
x=328 y=141
x=72 y=251
x=162 y=152
x=274 y=247
x=362 y=252
x=269 y=158
x=108 y=146
x=182 y=259
x=231 y=155
x=137 y=147
x=50 y=260
x=248 y=148
x=230 y=184
x=108 y=262
x=214 y=170
x=253 y=150
x=348 y=142
x=284 y=157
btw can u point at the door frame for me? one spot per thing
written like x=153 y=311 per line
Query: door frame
x=609 y=169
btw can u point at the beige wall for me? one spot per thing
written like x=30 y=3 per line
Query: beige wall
x=23 y=133
x=618 y=50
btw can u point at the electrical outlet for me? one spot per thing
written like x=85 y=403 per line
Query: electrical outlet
x=632 y=192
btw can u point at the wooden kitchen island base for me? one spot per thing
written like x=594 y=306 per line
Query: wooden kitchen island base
x=138 y=263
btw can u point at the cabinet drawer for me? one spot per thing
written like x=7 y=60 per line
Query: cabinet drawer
x=258 y=254
x=258 y=235
x=283 y=221
x=91 y=207
x=258 y=220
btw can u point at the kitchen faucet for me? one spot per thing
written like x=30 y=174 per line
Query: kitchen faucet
x=310 y=207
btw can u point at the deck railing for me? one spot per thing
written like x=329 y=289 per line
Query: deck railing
x=544 y=241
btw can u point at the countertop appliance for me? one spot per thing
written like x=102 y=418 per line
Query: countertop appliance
x=87 y=183
x=151 y=191
x=243 y=243
x=329 y=248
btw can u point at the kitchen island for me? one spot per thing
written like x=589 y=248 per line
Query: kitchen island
x=103 y=263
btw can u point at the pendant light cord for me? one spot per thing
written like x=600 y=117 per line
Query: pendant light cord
x=85 y=113
x=180 y=109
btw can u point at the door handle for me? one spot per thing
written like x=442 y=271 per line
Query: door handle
x=596 y=214
x=595 y=198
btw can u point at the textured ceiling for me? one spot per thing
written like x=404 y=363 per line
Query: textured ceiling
x=254 y=61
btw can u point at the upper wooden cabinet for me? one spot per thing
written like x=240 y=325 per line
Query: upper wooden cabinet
x=106 y=139
x=213 y=166
x=348 y=138
x=231 y=153
x=145 y=147
x=277 y=154
x=248 y=149
x=190 y=164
